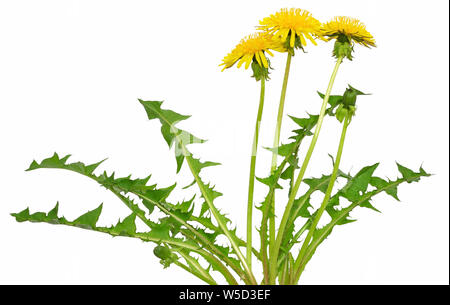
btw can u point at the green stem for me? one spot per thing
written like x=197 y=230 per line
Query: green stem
x=201 y=272
x=276 y=141
x=203 y=239
x=319 y=214
x=230 y=279
x=286 y=214
x=294 y=240
x=195 y=273
x=251 y=184
x=284 y=271
x=213 y=209
x=265 y=216
x=209 y=257
x=208 y=224
x=218 y=217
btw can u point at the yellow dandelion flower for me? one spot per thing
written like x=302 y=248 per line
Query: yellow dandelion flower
x=292 y=23
x=351 y=28
x=252 y=47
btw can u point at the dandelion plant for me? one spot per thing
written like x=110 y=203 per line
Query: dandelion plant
x=187 y=235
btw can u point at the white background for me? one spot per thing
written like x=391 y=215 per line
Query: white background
x=70 y=76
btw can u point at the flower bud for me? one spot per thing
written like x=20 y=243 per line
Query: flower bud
x=347 y=106
x=349 y=97
x=162 y=252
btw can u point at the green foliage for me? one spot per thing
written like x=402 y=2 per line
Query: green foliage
x=170 y=229
x=87 y=221
x=173 y=136
x=181 y=138
x=190 y=237
x=357 y=192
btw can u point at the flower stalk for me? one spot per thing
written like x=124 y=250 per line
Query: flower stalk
x=251 y=184
x=276 y=142
x=275 y=250
x=324 y=204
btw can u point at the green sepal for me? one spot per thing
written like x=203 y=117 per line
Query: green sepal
x=343 y=47
x=341 y=113
x=350 y=95
x=346 y=104
x=297 y=43
x=260 y=72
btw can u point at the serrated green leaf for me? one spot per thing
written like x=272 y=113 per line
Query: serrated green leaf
x=407 y=174
x=302 y=211
x=333 y=100
x=52 y=162
x=283 y=150
x=56 y=162
x=189 y=185
x=22 y=216
x=340 y=216
x=379 y=183
x=170 y=132
x=270 y=181
x=359 y=183
x=306 y=123
x=89 y=219
x=367 y=204
x=53 y=213
x=198 y=165
x=159 y=231
x=159 y=194
x=288 y=172
x=126 y=227
x=320 y=184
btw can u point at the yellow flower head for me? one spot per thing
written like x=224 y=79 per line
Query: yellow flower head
x=252 y=47
x=351 y=28
x=299 y=23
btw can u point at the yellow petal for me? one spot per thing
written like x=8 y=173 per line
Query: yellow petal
x=241 y=61
x=311 y=39
x=283 y=34
x=302 y=40
x=258 y=59
x=292 y=42
x=247 y=64
x=264 y=59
